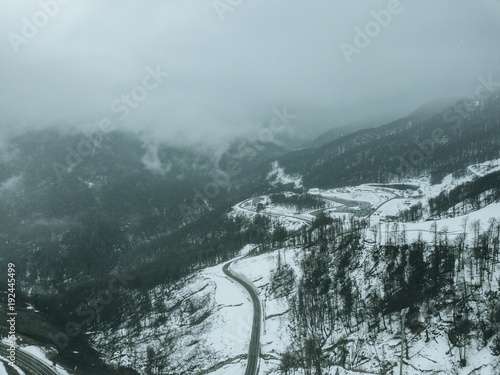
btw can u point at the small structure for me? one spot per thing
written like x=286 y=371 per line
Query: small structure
x=255 y=201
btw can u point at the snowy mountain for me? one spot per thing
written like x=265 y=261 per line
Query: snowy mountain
x=121 y=261
x=350 y=264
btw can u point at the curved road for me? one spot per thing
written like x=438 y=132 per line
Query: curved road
x=347 y=202
x=254 y=349
x=305 y=219
x=24 y=359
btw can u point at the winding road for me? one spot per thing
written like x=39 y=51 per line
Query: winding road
x=24 y=359
x=272 y=214
x=254 y=348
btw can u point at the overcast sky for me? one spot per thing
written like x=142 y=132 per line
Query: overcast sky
x=229 y=66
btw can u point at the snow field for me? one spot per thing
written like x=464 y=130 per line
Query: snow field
x=275 y=337
x=220 y=342
x=213 y=338
x=235 y=311
x=454 y=225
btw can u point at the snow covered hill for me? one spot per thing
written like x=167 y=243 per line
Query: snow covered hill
x=202 y=324
x=347 y=252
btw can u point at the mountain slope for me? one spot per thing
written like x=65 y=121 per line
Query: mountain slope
x=437 y=146
x=161 y=212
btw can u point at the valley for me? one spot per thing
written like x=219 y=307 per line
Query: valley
x=274 y=275
x=233 y=187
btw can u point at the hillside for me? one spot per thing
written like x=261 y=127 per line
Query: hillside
x=333 y=293
x=447 y=142
x=345 y=229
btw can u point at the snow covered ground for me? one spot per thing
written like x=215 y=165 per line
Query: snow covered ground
x=286 y=217
x=224 y=335
x=217 y=342
x=434 y=356
x=3 y=368
x=454 y=225
x=483 y=169
x=41 y=354
x=205 y=326
x=35 y=351
x=366 y=193
x=234 y=323
x=383 y=200
x=275 y=337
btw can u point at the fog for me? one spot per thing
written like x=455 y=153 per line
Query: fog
x=208 y=70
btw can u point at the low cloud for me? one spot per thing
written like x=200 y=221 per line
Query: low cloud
x=11 y=185
x=52 y=222
x=225 y=75
x=152 y=161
